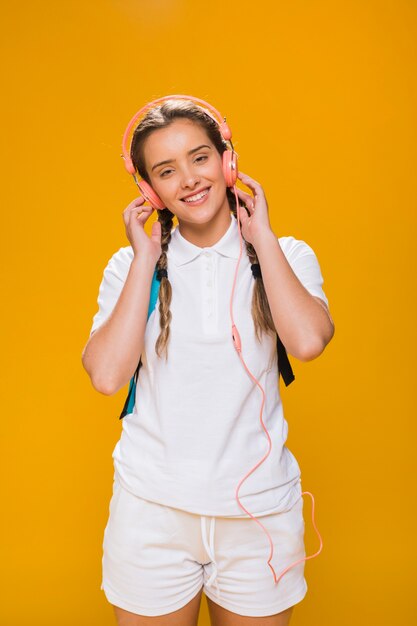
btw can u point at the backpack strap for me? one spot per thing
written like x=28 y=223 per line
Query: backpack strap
x=284 y=365
x=130 y=400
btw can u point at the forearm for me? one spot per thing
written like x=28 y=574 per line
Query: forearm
x=112 y=352
x=301 y=322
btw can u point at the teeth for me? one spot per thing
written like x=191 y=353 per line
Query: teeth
x=197 y=196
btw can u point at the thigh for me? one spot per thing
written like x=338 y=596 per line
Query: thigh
x=246 y=585
x=148 y=564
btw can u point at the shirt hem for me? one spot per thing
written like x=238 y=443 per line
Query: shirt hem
x=270 y=511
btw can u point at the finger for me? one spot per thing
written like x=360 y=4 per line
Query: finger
x=244 y=177
x=142 y=216
x=247 y=199
x=132 y=212
x=251 y=183
x=243 y=216
x=156 y=231
x=137 y=215
x=244 y=195
x=141 y=209
x=135 y=203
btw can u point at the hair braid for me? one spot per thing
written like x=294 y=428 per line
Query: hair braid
x=166 y=217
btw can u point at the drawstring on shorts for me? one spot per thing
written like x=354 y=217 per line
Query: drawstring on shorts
x=210 y=550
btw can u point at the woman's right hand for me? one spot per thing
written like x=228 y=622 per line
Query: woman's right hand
x=135 y=232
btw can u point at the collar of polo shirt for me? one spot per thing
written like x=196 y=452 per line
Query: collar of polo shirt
x=183 y=251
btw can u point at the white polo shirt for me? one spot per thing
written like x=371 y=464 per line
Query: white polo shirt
x=195 y=431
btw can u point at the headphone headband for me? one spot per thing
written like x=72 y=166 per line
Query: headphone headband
x=217 y=117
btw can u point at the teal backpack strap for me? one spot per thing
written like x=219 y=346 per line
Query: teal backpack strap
x=130 y=400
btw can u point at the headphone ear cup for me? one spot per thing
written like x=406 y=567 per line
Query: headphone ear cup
x=150 y=195
x=230 y=169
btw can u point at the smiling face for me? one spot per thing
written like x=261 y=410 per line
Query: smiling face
x=185 y=170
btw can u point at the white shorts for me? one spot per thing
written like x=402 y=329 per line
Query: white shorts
x=156 y=558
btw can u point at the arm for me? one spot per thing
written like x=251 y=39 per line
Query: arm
x=112 y=352
x=302 y=320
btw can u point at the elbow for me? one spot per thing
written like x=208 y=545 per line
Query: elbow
x=101 y=385
x=311 y=351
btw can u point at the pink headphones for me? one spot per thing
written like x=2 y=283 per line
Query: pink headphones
x=230 y=170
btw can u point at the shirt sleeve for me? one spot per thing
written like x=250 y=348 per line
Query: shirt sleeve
x=305 y=265
x=114 y=278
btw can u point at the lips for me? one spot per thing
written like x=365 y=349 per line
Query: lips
x=195 y=193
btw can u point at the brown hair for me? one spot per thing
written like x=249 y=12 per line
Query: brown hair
x=161 y=117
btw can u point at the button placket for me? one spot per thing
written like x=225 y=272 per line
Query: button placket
x=208 y=313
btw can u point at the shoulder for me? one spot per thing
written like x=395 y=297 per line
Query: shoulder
x=305 y=264
x=123 y=255
x=294 y=248
x=120 y=261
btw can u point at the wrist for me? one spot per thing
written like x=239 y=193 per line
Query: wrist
x=264 y=240
x=143 y=263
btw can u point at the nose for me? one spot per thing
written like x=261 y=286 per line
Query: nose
x=189 y=178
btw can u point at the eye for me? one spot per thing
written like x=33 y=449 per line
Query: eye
x=202 y=156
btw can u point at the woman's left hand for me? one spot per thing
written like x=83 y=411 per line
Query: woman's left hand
x=255 y=225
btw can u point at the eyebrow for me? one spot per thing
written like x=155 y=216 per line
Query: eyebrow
x=189 y=152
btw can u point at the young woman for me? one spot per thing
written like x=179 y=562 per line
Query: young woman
x=202 y=456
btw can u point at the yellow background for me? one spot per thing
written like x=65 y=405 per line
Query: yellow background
x=321 y=99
